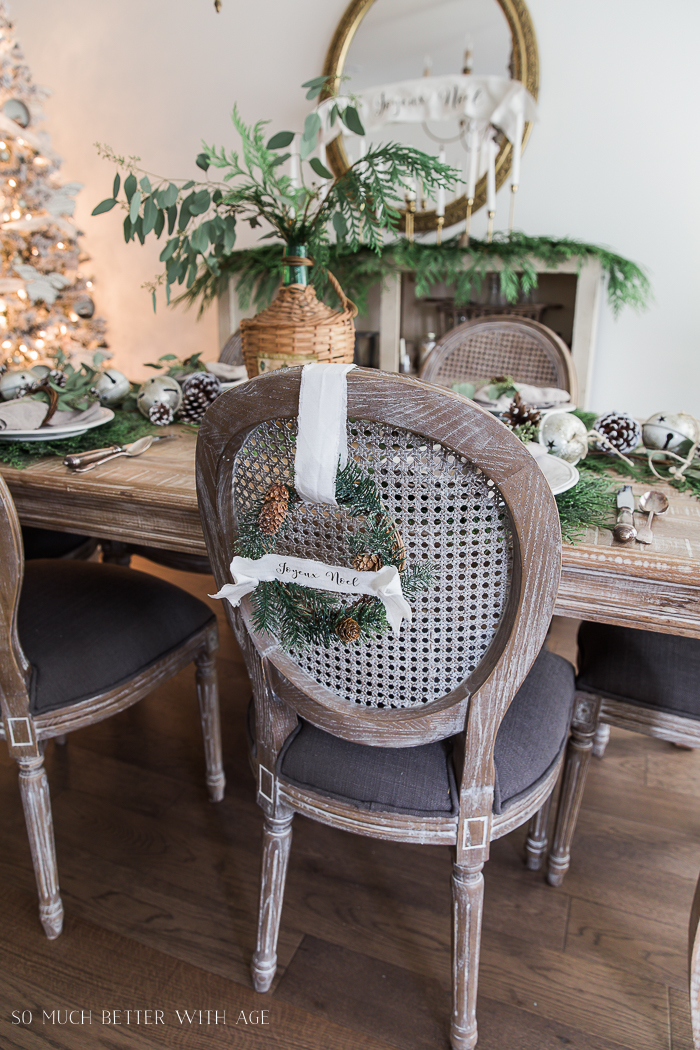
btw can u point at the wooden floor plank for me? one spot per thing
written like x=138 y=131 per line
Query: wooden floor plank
x=636 y=943
x=161 y=890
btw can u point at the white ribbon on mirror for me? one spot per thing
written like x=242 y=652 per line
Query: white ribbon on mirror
x=247 y=573
x=505 y=103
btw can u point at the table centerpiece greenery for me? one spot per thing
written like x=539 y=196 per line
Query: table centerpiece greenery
x=201 y=217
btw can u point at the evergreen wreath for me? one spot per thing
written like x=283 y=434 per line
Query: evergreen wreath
x=300 y=616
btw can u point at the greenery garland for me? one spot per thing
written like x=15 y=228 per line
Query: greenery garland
x=259 y=270
x=126 y=426
x=589 y=504
x=300 y=616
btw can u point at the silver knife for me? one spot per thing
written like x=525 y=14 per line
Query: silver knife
x=83 y=460
x=625 y=531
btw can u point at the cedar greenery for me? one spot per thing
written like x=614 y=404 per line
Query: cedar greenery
x=126 y=426
x=258 y=271
x=589 y=504
x=300 y=616
x=362 y=204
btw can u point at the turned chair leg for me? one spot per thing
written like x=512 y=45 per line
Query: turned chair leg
x=208 y=697
x=277 y=842
x=536 y=842
x=576 y=762
x=114 y=552
x=34 y=789
x=600 y=739
x=467 y=909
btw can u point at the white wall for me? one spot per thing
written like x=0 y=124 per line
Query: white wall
x=614 y=159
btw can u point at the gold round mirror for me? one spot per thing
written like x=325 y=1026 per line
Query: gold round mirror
x=380 y=42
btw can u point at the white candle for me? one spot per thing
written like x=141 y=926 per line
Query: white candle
x=491 y=150
x=517 y=150
x=294 y=169
x=473 y=161
x=440 y=205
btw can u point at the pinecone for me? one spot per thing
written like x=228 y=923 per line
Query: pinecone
x=199 y=390
x=367 y=563
x=60 y=378
x=348 y=630
x=519 y=412
x=622 y=431
x=160 y=414
x=274 y=509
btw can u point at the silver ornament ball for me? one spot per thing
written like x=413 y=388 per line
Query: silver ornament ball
x=670 y=430
x=16 y=384
x=159 y=388
x=564 y=435
x=112 y=386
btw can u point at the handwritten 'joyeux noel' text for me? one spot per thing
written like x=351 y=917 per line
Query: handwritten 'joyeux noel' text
x=332 y=575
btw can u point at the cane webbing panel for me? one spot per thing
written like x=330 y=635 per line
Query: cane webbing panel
x=499 y=349
x=447 y=511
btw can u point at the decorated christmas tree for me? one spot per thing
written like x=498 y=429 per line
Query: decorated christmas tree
x=46 y=306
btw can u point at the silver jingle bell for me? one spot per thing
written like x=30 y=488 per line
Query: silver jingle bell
x=16 y=384
x=112 y=386
x=564 y=435
x=159 y=388
x=670 y=430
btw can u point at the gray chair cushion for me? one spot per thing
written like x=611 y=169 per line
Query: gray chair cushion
x=421 y=780
x=86 y=628
x=640 y=667
x=534 y=731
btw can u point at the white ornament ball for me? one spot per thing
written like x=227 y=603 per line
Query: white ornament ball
x=564 y=435
x=16 y=384
x=159 y=389
x=112 y=386
x=670 y=430
x=40 y=371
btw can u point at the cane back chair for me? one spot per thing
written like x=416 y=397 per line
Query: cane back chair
x=526 y=350
x=355 y=736
x=694 y=966
x=80 y=642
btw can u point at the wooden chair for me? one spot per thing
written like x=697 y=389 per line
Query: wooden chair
x=638 y=680
x=694 y=966
x=491 y=346
x=78 y=643
x=410 y=739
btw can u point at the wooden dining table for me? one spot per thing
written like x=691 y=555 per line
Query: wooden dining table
x=152 y=501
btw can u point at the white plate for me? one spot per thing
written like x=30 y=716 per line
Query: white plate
x=560 y=475
x=57 y=433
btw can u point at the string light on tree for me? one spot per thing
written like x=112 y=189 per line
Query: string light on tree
x=39 y=250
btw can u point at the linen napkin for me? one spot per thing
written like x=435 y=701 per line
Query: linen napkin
x=537 y=396
x=26 y=414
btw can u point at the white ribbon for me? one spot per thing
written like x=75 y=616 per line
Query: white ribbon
x=322 y=438
x=486 y=99
x=247 y=573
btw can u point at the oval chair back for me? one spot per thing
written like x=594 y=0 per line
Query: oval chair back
x=487 y=347
x=467 y=497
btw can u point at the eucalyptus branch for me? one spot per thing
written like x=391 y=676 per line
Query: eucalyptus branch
x=201 y=217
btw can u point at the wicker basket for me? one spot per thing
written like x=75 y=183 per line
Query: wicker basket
x=296 y=328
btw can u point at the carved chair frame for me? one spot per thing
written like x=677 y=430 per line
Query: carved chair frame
x=282 y=691
x=26 y=733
